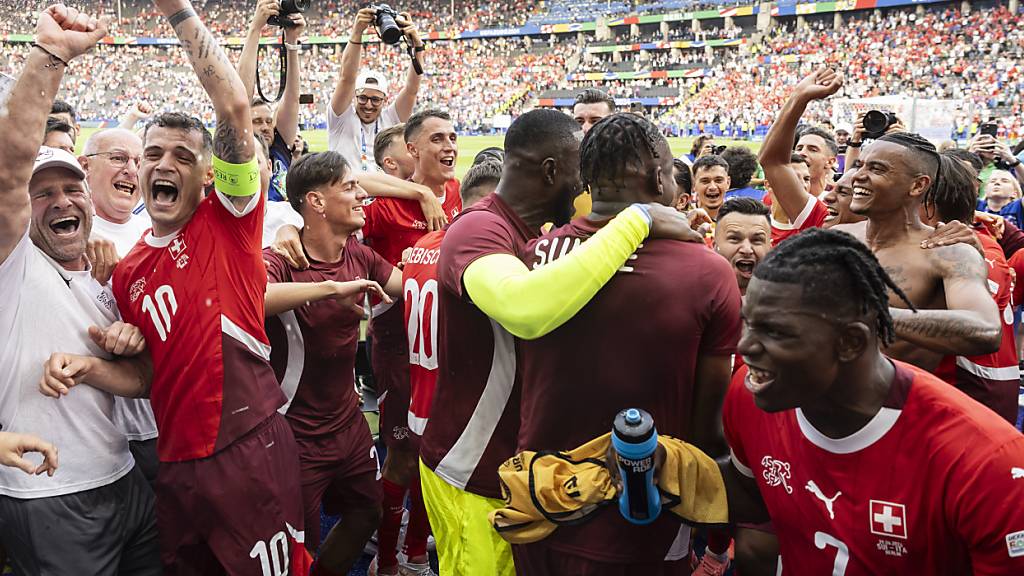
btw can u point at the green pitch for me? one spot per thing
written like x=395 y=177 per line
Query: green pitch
x=468 y=145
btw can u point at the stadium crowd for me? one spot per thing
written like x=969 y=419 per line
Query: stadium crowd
x=558 y=391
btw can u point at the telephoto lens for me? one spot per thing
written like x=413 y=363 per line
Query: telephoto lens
x=288 y=7
x=388 y=29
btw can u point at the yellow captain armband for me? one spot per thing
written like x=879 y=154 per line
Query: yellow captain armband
x=236 y=179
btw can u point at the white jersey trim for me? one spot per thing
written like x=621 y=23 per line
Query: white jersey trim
x=872 y=432
x=296 y=358
x=988 y=372
x=458 y=465
x=416 y=424
x=680 y=547
x=248 y=340
x=796 y=223
x=230 y=206
x=743 y=468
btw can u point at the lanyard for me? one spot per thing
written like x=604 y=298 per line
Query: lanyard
x=362 y=134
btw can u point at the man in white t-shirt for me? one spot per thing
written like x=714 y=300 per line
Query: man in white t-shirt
x=360 y=108
x=111 y=161
x=97 y=514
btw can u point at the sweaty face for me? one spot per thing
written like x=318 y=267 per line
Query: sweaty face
x=62 y=140
x=789 y=349
x=343 y=203
x=174 y=171
x=263 y=123
x=369 y=104
x=586 y=115
x=881 y=179
x=817 y=154
x=435 y=150
x=743 y=240
x=710 y=185
x=61 y=215
x=114 y=175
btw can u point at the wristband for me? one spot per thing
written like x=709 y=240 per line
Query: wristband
x=180 y=16
x=646 y=213
x=354 y=42
x=52 y=56
x=236 y=179
x=420 y=48
x=293 y=47
x=1016 y=162
x=853 y=144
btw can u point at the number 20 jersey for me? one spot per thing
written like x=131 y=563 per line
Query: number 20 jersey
x=198 y=296
x=419 y=281
x=933 y=484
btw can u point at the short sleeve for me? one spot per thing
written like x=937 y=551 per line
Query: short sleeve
x=377 y=268
x=12 y=276
x=277 y=269
x=732 y=419
x=986 y=509
x=391 y=117
x=474 y=235
x=336 y=122
x=723 y=329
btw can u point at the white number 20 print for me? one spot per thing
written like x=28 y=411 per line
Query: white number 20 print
x=422 y=328
x=161 y=307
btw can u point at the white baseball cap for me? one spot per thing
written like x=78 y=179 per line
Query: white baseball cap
x=373 y=80
x=56 y=158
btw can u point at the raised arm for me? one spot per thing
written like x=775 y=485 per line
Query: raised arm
x=287 y=116
x=406 y=99
x=232 y=141
x=787 y=189
x=62 y=34
x=250 y=50
x=970 y=324
x=345 y=90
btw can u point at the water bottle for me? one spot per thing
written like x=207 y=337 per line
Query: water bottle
x=635 y=441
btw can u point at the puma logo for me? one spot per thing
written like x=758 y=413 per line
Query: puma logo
x=1017 y=473
x=813 y=489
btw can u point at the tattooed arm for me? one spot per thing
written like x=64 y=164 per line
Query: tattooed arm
x=970 y=324
x=232 y=142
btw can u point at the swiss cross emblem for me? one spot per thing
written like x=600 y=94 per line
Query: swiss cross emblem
x=888 y=519
x=177 y=247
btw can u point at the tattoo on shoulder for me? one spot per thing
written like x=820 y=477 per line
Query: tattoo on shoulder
x=227 y=144
x=960 y=261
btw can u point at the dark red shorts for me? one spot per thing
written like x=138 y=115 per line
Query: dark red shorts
x=237 y=512
x=391 y=375
x=539 y=560
x=339 y=470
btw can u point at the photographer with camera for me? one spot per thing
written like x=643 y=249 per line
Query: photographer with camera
x=870 y=125
x=995 y=154
x=359 y=106
x=278 y=128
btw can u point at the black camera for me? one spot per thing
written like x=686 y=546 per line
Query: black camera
x=989 y=128
x=717 y=150
x=876 y=122
x=288 y=7
x=384 y=20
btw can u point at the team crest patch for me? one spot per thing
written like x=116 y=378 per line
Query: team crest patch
x=776 y=473
x=1015 y=544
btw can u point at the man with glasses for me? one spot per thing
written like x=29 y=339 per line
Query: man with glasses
x=111 y=161
x=359 y=107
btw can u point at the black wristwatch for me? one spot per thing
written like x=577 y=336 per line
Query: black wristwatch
x=1016 y=162
x=853 y=144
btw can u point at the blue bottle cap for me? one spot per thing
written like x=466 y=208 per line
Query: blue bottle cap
x=633 y=417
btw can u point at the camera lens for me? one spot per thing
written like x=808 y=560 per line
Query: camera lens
x=875 y=123
x=389 y=31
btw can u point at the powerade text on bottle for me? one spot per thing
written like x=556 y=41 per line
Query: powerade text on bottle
x=635 y=441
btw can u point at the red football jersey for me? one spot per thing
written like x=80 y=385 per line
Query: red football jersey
x=197 y=296
x=930 y=485
x=812 y=216
x=992 y=379
x=392 y=225
x=419 y=279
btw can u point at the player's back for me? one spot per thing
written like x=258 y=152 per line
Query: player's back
x=923 y=488
x=420 y=293
x=197 y=296
x=635 y=344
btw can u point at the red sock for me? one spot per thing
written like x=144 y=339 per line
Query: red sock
x=419 y=525
x=718 y=541
x=390 y=524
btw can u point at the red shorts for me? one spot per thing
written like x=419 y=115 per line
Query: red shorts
x=341 y=471
x=391 y=375
x=237 y=512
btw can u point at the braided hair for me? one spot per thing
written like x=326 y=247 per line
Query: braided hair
x=926 y=159
x=613 y=144
x=835 y=271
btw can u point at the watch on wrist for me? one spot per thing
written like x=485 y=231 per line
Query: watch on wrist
x=853 y=144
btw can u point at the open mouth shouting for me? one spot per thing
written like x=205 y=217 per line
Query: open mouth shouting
x=758 y=380
x=861 y=193
x=65 y=225
x=745 y=266
x=832 y=213
x=165 y=193
x=128 y=188
x=448 y=162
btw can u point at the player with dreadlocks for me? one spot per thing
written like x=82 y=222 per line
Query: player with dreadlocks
x=677 y=355
x=893 y=177
x=865 y=465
